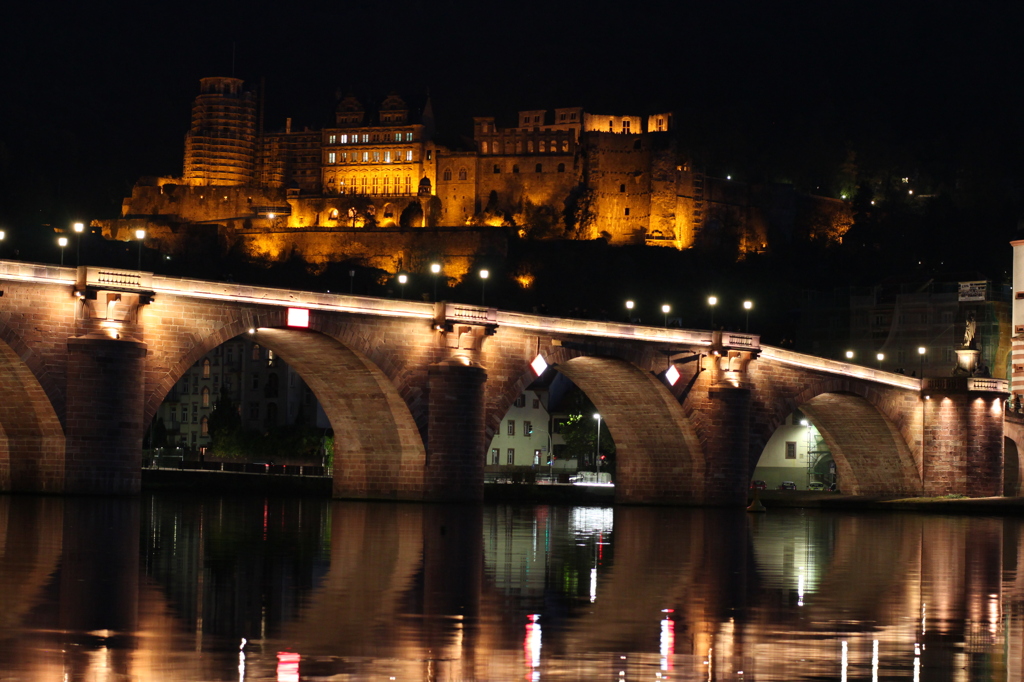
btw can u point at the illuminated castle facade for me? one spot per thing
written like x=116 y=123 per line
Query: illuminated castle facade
x=565 y=173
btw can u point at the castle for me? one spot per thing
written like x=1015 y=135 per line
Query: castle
x=364 y=186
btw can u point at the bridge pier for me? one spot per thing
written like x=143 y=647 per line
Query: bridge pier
x=727 y=447
x=963 y=438
x=454 y=469
x=105 y=398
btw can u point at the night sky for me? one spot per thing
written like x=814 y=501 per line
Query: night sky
x=97 y=94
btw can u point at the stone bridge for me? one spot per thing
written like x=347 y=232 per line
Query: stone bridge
x=414 y=391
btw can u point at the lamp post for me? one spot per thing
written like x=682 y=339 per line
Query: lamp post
x=666 y=309
x=140 y=234
x=747 y=305
x=629 y=311
x=62 y=242
x=849 y=355
x=880 y=357
x=435 y=268
x=351 y=282
x=484 y=274
x=402 y=279
x=921 y=351
x=79 y=228
x=597 y=457
x=712 y=302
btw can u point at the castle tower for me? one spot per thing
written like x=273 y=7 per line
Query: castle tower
x=220 y=145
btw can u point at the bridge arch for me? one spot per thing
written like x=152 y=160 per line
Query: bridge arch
x=659 y=458
x=31 y=435
x=864 y=429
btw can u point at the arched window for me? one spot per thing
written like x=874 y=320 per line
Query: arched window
x=463 y=174
x=622 y=188
x=334 y=214
x=255 y=351
x=374 y=184
x=204 y=426
x=538 y=168
x=206 y=368
x=206 y=397
x=611 y=126
x=447 y=173
x=561 y=168
x=387 y=184
x=483 y=146
x=541 y=146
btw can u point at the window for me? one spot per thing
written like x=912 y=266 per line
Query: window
x=185 y=384
x=511 y=427
x=565 y=145
x=195 y=413
x=541 y=146
x=270 y=358
x=376 y=157
x=344 y=139
x=527 y=429
x=625 y=126
x=254 y=410
x=366 y=157
x=790 y=449
x=255 y=381
x=511 y=456
x=611 y=126
x=539 y=168
x=204 y=426
x=366 y=137
x=332 y=139
x=536 y=403
x=572 y=116
x=398 y=137
x=497 y=169
x=374 y=184
x=206 y=397
x=387 y=157
x=561 y=117
x=661 y=124
x=515 y=168
x=627 y=212
x=376 y=137
x=344 y=157
x=408 y=137
x=521 y=400
x=387 y=185
x=529 y=146
x=408 y=155
x=447 y=173
x=462 y=174
x=622 y=188
x=483 y=147
x=561 y=168
x=429 y=155
x=332 y=157
x=495 y=456
x=408 y=184
x=184 y=414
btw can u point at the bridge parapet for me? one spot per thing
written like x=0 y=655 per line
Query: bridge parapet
x=962 y=384
x=112 y=279
x=848 y=369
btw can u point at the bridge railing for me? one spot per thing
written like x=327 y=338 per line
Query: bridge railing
x=813 y=362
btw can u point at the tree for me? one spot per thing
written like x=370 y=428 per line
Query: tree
x=580 y=433
x=225 y=425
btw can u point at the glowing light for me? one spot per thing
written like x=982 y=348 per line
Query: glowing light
x=252 y=330
x=271 y=215
x=666 y=308
x=62 y=242
x=78 y=227
x=538 y=365
x=532 y=641
x=298 y=317
x=402 y=279
x=712 y=300
x=435 y=268
x=629 y=305
x=921 y=350
x=849 y=355
x=668 y=642
x=747 y=305
x=140 y=234
x=845 y=661
x=484 y=274
x=287 y=667
x=672 y=375
x=593 y=585
x=874 y=661
x=525 y=280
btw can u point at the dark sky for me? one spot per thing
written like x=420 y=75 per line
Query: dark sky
x=96 y=94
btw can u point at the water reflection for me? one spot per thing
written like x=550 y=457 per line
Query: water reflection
x=173 y=588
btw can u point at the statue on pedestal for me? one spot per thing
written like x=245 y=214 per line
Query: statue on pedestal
x=970 y=329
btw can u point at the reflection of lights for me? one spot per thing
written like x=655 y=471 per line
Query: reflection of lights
x=591 y=520
x=874 y=661
x=241 y=661
x=800 y=588
x=593 y=585
x=532 y=642
x=668 y=641
x=993 y=613
x=917 y=662
x=922 y=619
x=845 y=662
x=287 y=666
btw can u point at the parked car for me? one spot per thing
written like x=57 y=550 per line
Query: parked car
x=816 y=485
x=758 y=484
x=787 y=485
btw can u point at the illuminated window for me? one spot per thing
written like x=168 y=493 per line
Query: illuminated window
x=344 y=139
x=408 y=155
x=206 y=368
x=483 y=146
x=527 y=429
x=462 y=174
x=565 y=145
x=538 y=168
x=256 y=351
x=362 y=183
x=366 y=137
x=521 y=400
x=398 y=137
x=332 y=157
x=344 y=157
x=511 y=456
x=529 y=146
x=366 y=157
x=430 y=153
x=204 y=427
x=374 y=184
x=387 y=184
x=541 y=146
x=334 y=212
x=332 y=139
x=561 y=168
x=408 y=137
x=447 y=173
x=387 y=157
x=495 y=456
x=497 y=168
x=376 y=157
x=790 y=449
x=511 y=427
x=206 y=397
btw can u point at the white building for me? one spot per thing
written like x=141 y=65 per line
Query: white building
x=524 y=438
x=796 y=452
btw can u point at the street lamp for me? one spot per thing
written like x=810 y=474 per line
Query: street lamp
x=712 y=302
x=62 y=242
x=747 y=305
x=849 y=355
x=665 y=309
x=629 y=311
x=597 y=457
x=484 y=274
x=79 y=228
x=402 y=279
x=140 y=234
x=921 y=351
x=435 y=268
x=880 y=357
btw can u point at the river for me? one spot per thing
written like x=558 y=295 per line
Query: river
x=171 y=587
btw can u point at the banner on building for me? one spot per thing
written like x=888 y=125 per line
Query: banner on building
x=973 y=291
